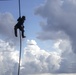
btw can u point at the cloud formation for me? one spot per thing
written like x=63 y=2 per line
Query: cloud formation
x=68 y=62
x=60 y=26
x=34 y=59
x=8 y=59
x=37 y=61
x=7 y=23
x=60 y=22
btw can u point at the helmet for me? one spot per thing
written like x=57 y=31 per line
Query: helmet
x=23 y=17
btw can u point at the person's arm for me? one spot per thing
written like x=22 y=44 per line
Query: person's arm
x=19 y=19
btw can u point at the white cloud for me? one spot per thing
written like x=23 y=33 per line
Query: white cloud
x=36 y=60
x=8 y=59
x=7 y=23
x=68 y=62
x=60 y=18
x=60 y=26
x=33 y=61
x=52 y=74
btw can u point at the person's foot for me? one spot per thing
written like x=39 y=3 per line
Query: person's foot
x=23 y=36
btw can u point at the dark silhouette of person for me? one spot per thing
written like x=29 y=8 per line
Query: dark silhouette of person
x=20 y=26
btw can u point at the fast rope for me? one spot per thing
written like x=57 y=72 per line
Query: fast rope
x=20 y=40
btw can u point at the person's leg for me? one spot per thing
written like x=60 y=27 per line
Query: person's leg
x=22 y=29
x=23 y=34
x=15 y=30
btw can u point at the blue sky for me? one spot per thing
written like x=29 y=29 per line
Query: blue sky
x=50 y=43
x=32 y=23
x=28 y=7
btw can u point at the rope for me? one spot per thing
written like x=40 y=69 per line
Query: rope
x=20 y=40
x=19 y=8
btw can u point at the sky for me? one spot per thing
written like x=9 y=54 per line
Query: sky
x=50 y=44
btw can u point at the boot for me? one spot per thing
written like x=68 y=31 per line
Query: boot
x=23 y=35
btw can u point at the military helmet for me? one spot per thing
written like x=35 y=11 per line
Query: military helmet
x=23 y=17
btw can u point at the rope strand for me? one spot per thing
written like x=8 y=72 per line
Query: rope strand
x=20 y=40
x=19 y=8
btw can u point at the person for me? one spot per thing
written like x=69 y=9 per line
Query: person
x=20 y=26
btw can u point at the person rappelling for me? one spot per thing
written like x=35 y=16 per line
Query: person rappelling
x=20 y=26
